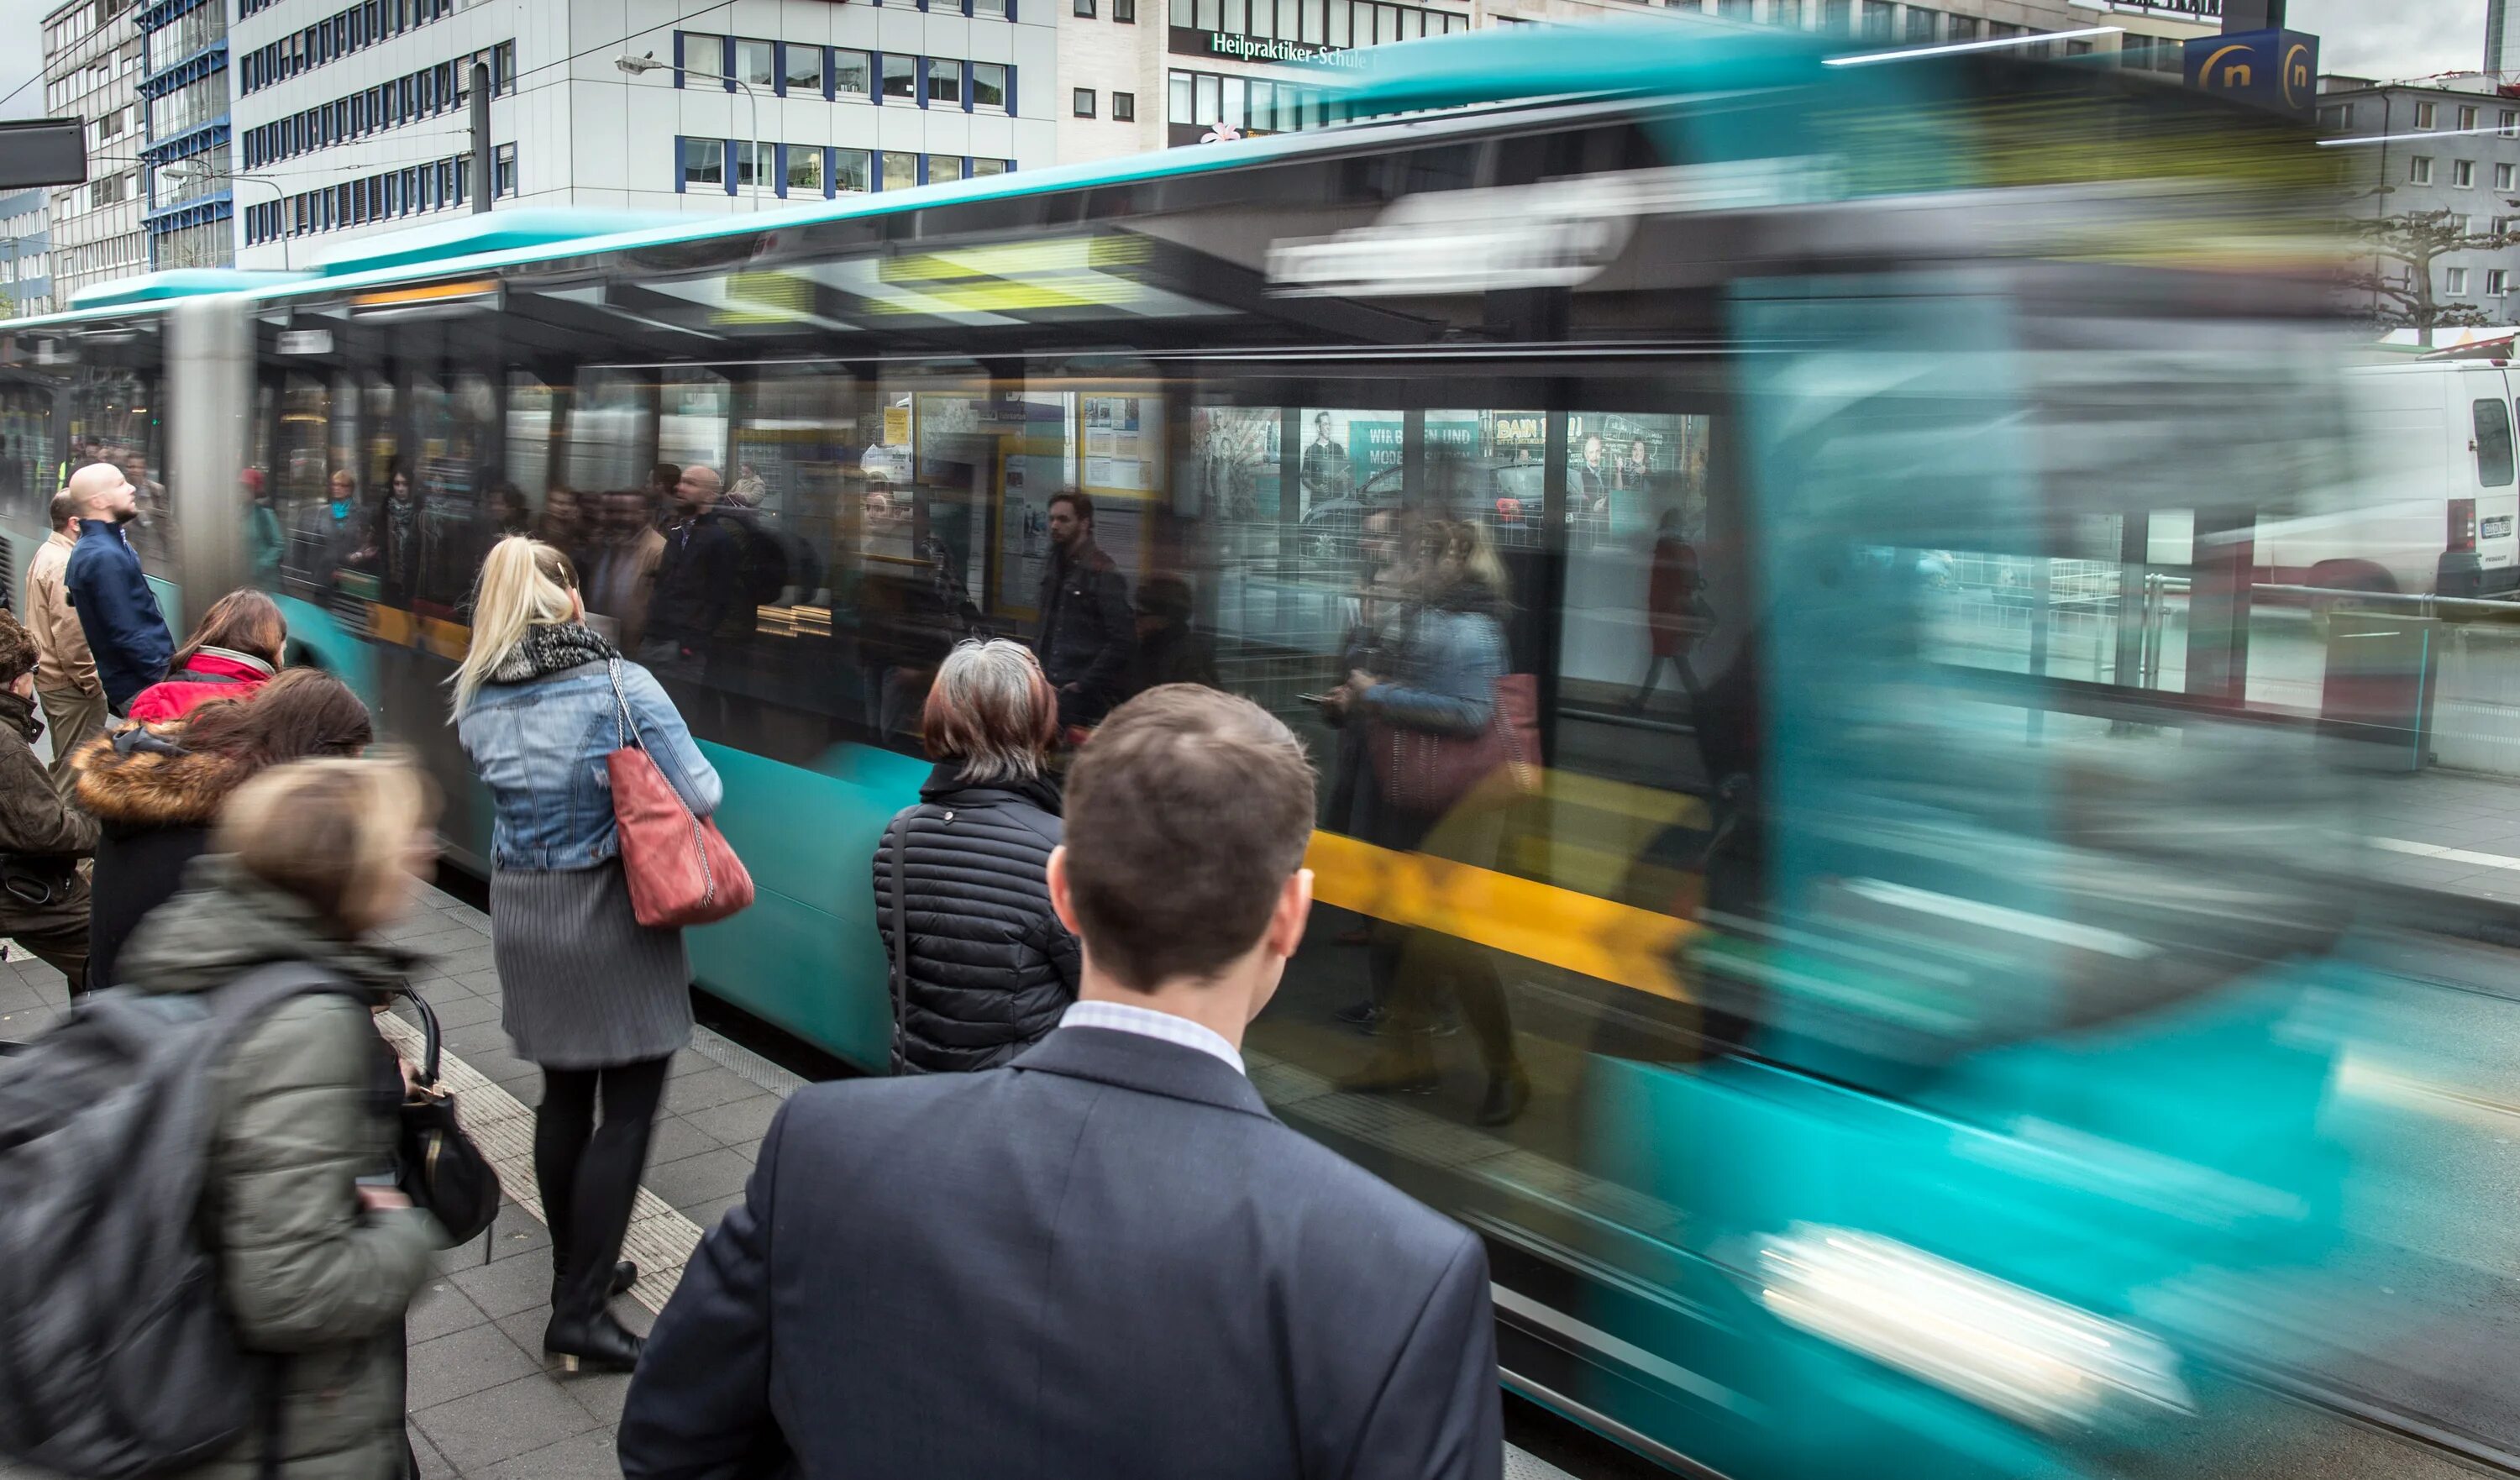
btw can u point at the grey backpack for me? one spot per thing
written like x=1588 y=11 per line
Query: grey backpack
x=118 y=1358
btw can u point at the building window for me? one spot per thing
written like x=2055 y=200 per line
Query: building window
x=2454 y=281
x=2419 y=170
x=852 y=75
x=1920 y=26
x=1085 y=7
x=2423 y=115
x=2497 y=282
x=944 y=169
x=2502 y=177
x=804 y=169
x=802 y=72
x=852 y=171
x=982 y=167
x=944 y=83
x=1124 y=12
x=900 y=169
x=901 y=76
x=503 y=165
x=705 y=56
x=1124 y=108
x=2462 y=173
x=2508 y=125
x=755 y=63
x=754 y=163
x=2466 y=116
x=1084 y=102
x=703 y=162
x=988 y=87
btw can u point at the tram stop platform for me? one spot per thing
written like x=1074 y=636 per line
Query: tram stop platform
x=485 y=1404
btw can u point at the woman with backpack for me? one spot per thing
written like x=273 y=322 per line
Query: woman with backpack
x=235 y=651
x=319 y=1255
x=156 y=790
x=599 y=1001
x=989 y=968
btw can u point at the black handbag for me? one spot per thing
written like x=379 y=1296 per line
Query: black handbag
x=440 y=1168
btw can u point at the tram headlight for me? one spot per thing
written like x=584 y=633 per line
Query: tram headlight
x=2038 y=1360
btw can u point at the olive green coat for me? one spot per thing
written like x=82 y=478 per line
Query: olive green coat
x=307 y=1103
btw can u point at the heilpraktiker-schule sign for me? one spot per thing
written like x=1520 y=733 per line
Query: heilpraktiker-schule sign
x=1265 y=49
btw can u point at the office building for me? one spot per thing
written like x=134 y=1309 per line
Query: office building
x=26 y=252
x=2502 y=37
x=184 y=150
x=92 y=64
x=2446 y=143
x=353 y=118
x=1258 y=66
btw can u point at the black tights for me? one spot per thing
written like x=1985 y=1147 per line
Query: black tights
x=589 y=1173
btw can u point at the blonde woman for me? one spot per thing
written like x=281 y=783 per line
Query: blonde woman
x=311 y=862
x=599 y=1001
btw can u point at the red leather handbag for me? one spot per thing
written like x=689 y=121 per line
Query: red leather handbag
x=681 y=869
x=1429 y=774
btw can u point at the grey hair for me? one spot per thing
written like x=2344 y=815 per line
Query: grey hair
x=990 y=708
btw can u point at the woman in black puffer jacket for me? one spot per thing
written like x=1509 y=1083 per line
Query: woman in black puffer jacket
x=981 y=966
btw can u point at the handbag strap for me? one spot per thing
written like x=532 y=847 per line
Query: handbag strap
x=624 y=728
x=901 y=933
x=428 y=1037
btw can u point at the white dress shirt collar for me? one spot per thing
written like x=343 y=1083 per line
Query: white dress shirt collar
x=1147 y=1022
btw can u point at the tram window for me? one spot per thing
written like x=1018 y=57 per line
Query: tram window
x=692 y=417
x=2493 y=419
x=611 y=430
x=531 y=424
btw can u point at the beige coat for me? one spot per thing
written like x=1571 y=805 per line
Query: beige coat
x=63 y=665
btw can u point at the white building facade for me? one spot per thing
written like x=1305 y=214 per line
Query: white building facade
x=92 y=58
x=353 y=118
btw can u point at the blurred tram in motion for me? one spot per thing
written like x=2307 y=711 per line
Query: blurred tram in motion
x=1906 y=936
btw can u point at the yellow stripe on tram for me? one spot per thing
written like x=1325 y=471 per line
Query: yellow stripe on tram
x=1523 y=917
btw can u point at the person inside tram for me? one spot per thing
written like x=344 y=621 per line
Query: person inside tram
x=326 y=538
x=696 y=580
x=1171 y=650
x=624 y=547
x=1442 y=683
x=1086 y=632
x=395 y=543
x=564 y=522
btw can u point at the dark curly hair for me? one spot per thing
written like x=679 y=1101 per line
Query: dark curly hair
x=16 y=649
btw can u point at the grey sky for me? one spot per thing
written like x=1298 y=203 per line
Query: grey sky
x=22 y=55
x=2393 y=39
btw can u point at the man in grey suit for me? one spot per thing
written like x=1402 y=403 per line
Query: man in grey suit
x=1106 y=1258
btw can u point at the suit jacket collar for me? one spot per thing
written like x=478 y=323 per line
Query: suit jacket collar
x=1149 y=1065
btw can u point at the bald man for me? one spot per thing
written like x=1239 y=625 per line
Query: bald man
x=696 y=580
x=117 y=610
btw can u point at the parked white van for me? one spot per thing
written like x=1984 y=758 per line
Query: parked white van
x=2439 y=494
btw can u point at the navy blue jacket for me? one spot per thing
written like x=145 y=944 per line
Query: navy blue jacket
x=118 y=613
x=1103 y=1259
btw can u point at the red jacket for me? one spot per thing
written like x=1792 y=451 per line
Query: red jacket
x=214 y=673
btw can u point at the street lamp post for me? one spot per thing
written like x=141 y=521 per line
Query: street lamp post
x=640 y=66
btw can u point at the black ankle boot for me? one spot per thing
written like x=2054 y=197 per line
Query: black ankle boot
x=624 y=1275
x=593 y=1341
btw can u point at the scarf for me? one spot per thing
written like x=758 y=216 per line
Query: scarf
x=550 y=648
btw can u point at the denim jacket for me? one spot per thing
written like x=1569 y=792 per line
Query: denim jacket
x=1448 y=665
x=539 y=746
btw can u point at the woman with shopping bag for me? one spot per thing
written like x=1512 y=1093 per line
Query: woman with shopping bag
x=601 y=851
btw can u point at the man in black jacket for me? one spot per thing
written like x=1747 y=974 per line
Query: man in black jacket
x=696 y=580
x=1106 y=1258
x=117 y=610
x=1088 y=633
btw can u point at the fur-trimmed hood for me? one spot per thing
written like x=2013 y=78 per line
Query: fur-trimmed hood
x=143 y=778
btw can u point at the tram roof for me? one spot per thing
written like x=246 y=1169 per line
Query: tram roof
x=1664 y=56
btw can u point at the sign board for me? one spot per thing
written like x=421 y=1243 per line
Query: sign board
x=2276 y=70
x=2200 y=12
x=42 y=151
x=306 y=342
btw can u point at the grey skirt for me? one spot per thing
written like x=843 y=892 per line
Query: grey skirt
x=586 y=986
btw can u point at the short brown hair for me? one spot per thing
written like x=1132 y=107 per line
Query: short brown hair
x=991 y=709
x=63 y=507
x=1076 y=499
x=333 y=833
x=1185 y=814
x=17 y=649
